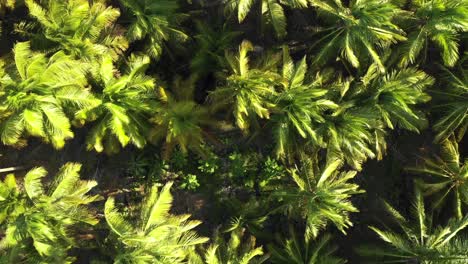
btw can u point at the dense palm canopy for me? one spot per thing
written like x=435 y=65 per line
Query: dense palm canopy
x=37 y=92
x=33 y=216
x=81 y=28
x=152 y=234
x=259 y=114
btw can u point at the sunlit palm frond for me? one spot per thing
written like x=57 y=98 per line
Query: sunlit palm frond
x=36 y=93
x=155 y=235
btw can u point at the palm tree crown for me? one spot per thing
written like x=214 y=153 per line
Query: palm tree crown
x=271 y=10
x=298 y=107
x=420 y=241
x=452 y=101
x=322 y=196
x=37 y=93
x=446 y=175
x=42 y=219
x=439 y=21
x=179 y=120
x=357 y=32
x=309 y=250
x=156 y=236
x=126 y=102
x=77 y=27
x=153 y=21
x=246 y=89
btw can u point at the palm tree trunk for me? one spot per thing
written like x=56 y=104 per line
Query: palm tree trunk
x=10 y=169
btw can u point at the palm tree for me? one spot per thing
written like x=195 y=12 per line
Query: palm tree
x=238 y=250
x=153 y=22
x=37 y=93
x=81 y=28
x=271 y=11
x=38 y=222
x=211 y=46
x=179 y=121
x=447 y=176
x=355 y=130
x=452 y=102
x=322 y=196
x=307 y=250
x=246 y=90
x=298 y=108
x=127 y=101
x=438 y=21
x=395 y=96
x=155 y=235
x=353 y=134
x=357 y=32
x=420 y=241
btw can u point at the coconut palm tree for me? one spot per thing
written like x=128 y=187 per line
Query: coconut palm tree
x=395 y=96
x=272 y=11
x=452 y=102
x=151 y=234
x=38 y=93
x=38 y=222
x=355 y=130
x=180 y=121
x=246 y=90
x=356 y=32
x=81 y=28
x=211 y=46
x=127 y=100
x=153 y=22
x=438 y=21
x=298 y=107
x=310 y=250
x=353 y=134
x=420 y=241
x=322 y=196
x=446 y=176
x=350 y=121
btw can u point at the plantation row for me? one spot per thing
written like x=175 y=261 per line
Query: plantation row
x=276 y=122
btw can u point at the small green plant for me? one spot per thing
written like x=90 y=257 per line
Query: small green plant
x=189 y=182
x=272 y=171
x=209 y=165
x=178 y=160
x=145 y=168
